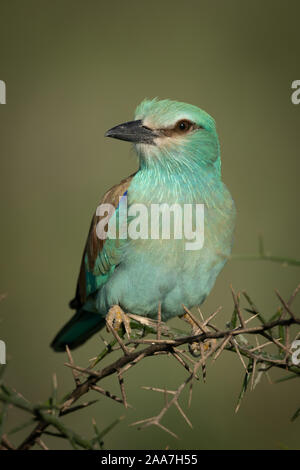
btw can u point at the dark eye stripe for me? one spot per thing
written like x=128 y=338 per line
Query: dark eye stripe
x=181 y=127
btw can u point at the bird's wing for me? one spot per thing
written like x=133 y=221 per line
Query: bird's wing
x=100 y=256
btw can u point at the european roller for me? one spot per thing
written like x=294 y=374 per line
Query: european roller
x=178 y=163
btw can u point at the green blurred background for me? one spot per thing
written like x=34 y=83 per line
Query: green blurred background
x=73 y=69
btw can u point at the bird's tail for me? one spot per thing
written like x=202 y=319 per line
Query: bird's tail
x=80 y=328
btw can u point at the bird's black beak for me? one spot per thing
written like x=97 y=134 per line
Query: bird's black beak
x=133 y=131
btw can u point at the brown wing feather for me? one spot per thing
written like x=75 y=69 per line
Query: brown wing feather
x=94 y=244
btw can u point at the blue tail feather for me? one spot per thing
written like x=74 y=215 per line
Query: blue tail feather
x=79 y=329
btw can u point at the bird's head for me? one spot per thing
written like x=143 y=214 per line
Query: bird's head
x=167 y=132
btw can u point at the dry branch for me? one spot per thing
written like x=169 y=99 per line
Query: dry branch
x=212 y=342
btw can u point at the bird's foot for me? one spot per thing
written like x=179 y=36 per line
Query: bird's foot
x=198 y=348
x=116 y=317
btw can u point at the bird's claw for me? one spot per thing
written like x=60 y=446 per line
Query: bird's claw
x=198 y=348
x=116 y=317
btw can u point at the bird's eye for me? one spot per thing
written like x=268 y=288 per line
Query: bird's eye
x=183 y=125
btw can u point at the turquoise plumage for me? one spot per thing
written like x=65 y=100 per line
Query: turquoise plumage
x=179 y=163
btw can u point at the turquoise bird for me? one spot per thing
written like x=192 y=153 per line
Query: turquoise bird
x=179 y=163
